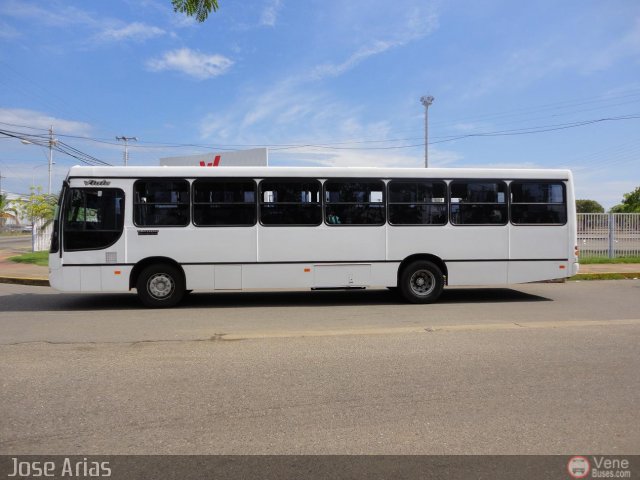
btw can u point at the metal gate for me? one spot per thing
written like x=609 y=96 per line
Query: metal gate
x=609 y=234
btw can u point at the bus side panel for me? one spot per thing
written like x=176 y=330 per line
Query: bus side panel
x=115 y=278
x=546 y=248
x=457 y=246
x=406 y=241
x=522 y=272
x=450 y=242
x=199 y=277
x=322 y=243
x=192 y=244
x=384 y=274
x=265 y=276
x=66 y=279
x=539 y=242
x=477 y=273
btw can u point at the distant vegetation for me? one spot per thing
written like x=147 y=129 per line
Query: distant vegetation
x=588 y=206
x=630 y=203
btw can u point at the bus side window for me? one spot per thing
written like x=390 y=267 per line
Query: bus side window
x=538 y=202
x=478 y=202
x=161 y=203
x=224 y=202
x=417 y=202
x=354 y=202
x=293 y=202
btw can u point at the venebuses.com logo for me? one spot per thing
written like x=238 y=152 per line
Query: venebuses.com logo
x=598 y=467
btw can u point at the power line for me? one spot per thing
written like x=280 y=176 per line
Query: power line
x=336 y=145
x=58 y=146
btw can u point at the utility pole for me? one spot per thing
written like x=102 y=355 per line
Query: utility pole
x=126 y=141
x=426 y=101
x=1 y=177
x=52 y=142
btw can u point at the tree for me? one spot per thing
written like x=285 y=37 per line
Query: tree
x=588 y=206
x=7 y=210
x=38 y=207
x=630 y=203
x=200 y=9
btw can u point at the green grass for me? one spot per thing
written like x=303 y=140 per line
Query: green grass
x=36 y=258
x=594 y=260
x=604 y=276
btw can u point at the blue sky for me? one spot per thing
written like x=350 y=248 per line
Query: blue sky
x=347 y=75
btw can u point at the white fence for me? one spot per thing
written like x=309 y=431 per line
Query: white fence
x=42 y=237
x=609 y=234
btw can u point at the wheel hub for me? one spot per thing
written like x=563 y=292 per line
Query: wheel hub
x=160 y=285
x=422 y=282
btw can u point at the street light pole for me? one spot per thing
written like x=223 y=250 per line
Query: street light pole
x=426 y=101
x=126 y=146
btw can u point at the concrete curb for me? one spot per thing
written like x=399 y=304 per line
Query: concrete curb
x=38 y=282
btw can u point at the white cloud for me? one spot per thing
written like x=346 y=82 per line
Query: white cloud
x=132 y=31
x=270 y=13
x=32 y=118
x=193 y=63
x=364 y=158
x=628 y=45
x=553 y=56
x=59 y=17
x=416 y=26
x=107 y=29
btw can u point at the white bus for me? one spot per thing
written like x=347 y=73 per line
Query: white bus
x=168 y=230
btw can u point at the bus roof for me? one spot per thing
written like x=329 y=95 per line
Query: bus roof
x=316 y=172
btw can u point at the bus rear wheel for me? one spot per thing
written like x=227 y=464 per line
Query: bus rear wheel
x=421 y=282
x=160 y=286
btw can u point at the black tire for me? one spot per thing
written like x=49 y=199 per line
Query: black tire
x=160 y=286
x=421 y=282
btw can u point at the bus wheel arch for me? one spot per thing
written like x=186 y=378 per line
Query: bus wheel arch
x=160 y=282
x=421 y=278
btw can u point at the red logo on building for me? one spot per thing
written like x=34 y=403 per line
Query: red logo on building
x=216 y=162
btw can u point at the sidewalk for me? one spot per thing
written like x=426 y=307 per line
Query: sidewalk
x=610 y=268
x=28 y=274
x=23 y=273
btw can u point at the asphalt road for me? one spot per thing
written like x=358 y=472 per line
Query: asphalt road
x=15 y=243
x=544 y=369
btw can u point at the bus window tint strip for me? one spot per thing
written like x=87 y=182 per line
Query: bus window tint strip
x=224 y=202
x=538 y=203
x=161 y=203
x=417 y=202
x=290 y=202
x=478 y=202
x=354 y=202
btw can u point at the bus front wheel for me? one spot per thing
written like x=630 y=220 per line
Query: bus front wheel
x=160 y=286
x=421 y=282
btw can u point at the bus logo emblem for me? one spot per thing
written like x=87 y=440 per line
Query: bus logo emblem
x=97 y=183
